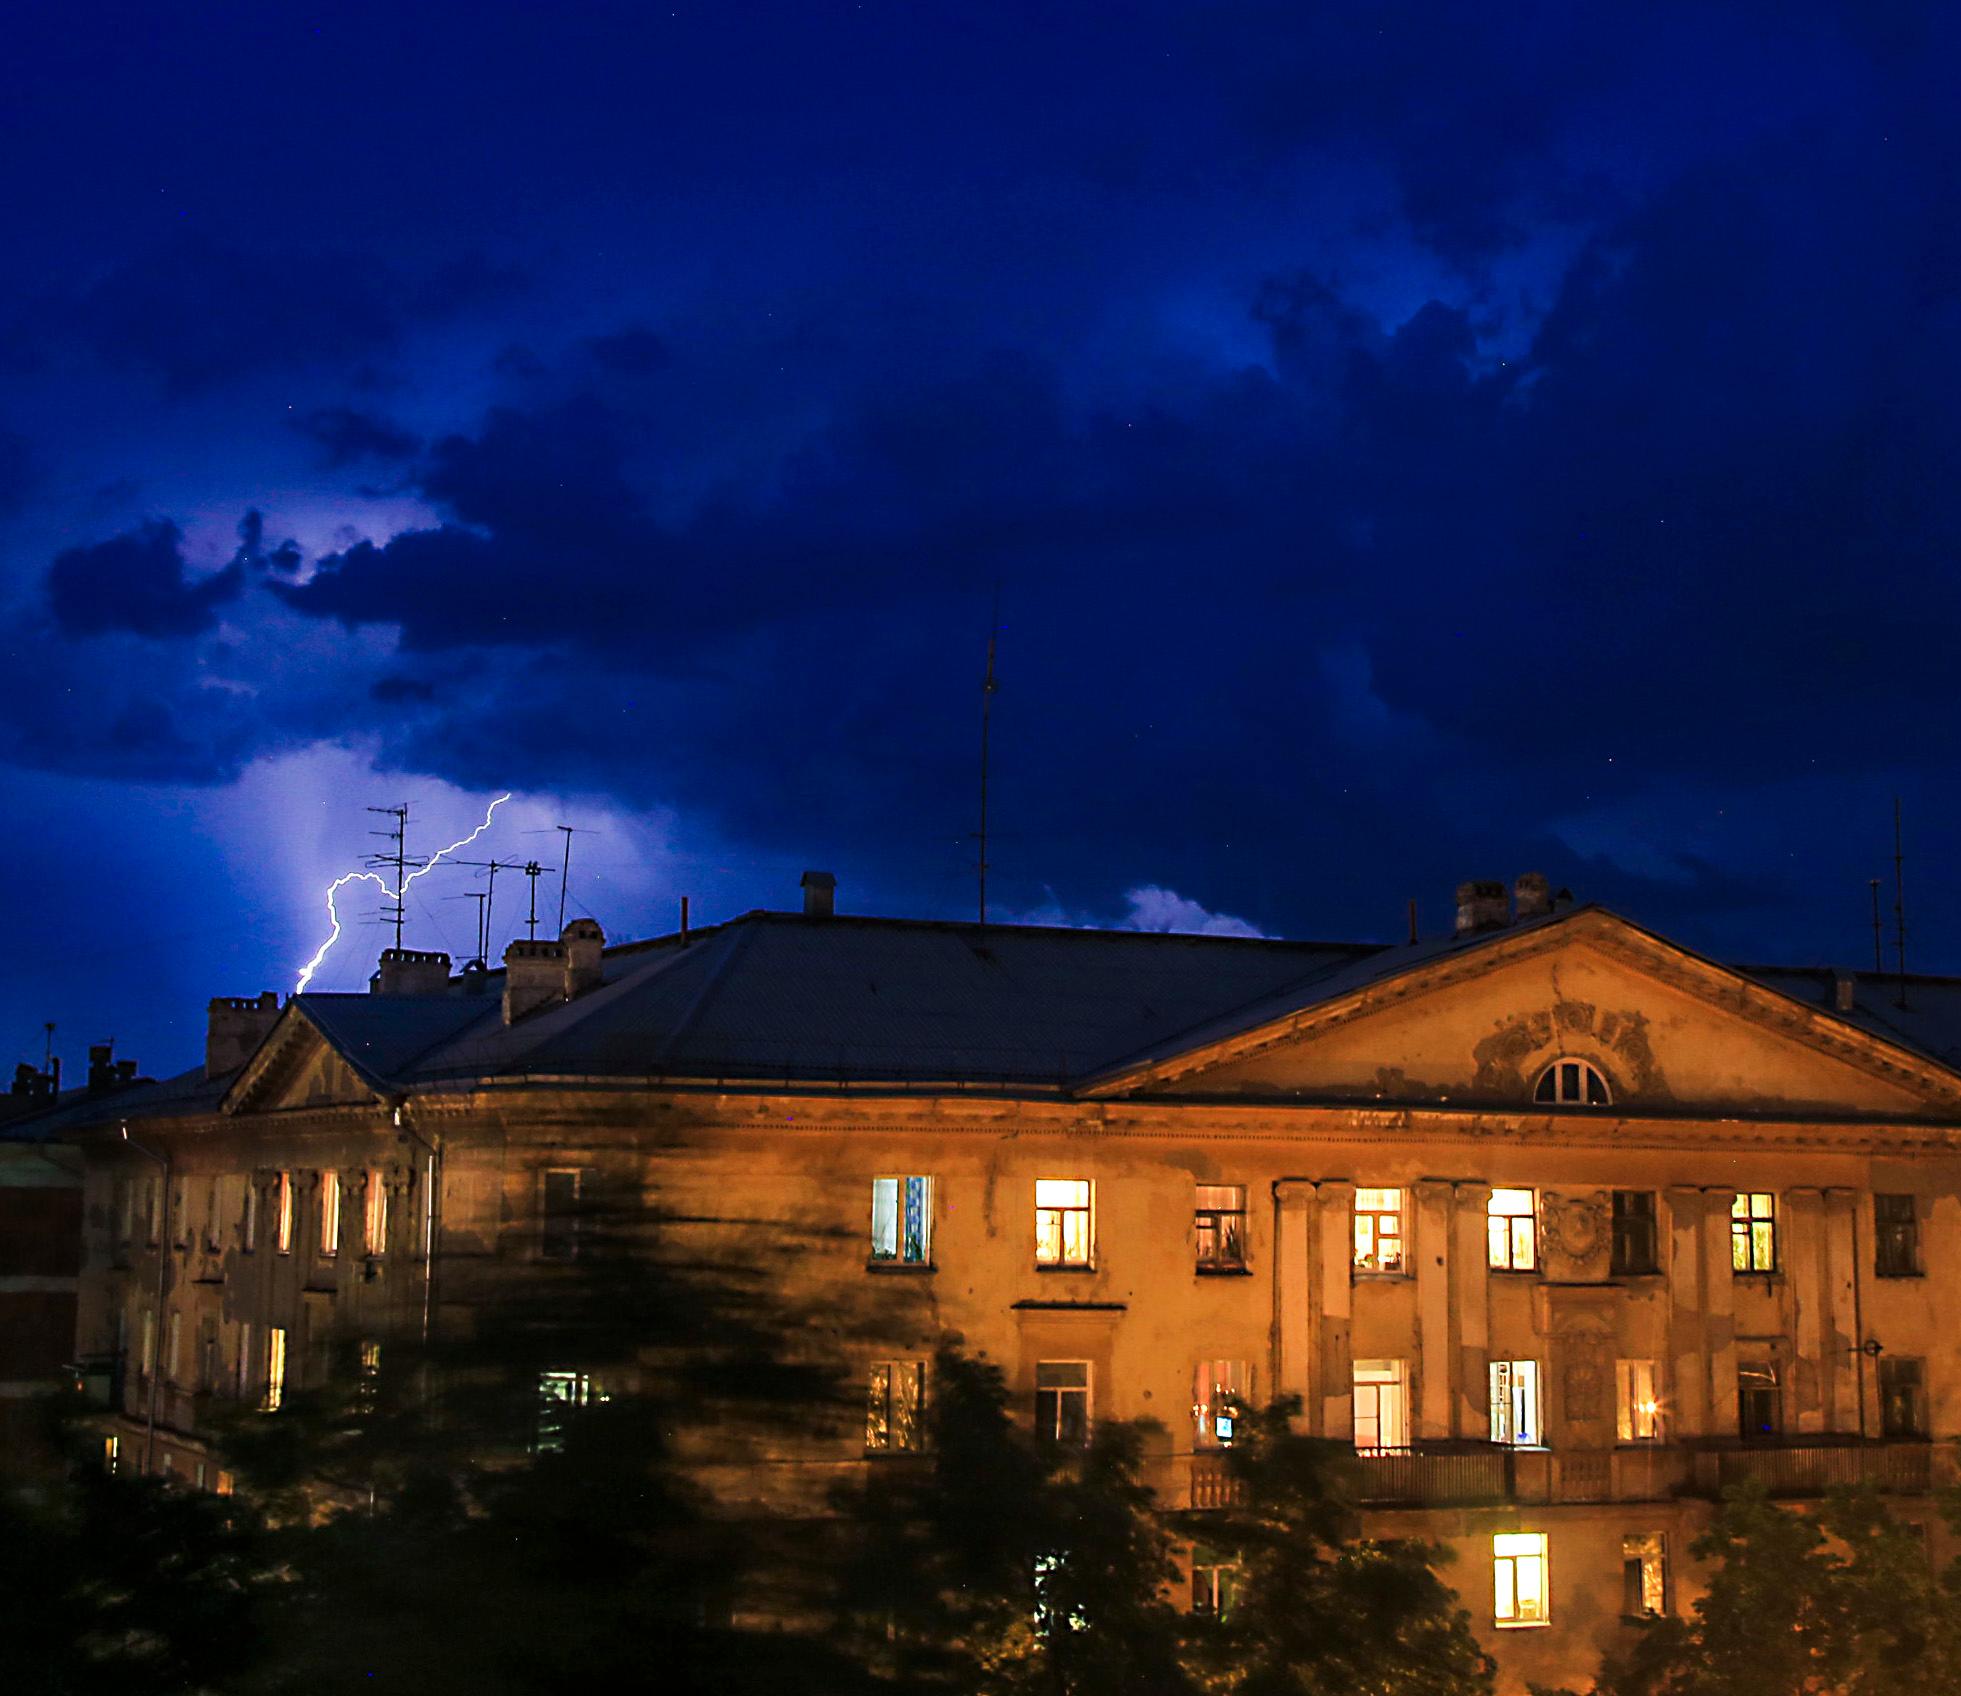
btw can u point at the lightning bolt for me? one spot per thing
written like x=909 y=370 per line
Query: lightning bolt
x=381 y=883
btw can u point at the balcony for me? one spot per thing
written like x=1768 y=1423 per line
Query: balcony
x=1437 y=1475
x=1213 y=1485
x=1809 y=1466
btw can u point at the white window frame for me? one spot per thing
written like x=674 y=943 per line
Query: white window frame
x=892 y=1244
x=1219 y=1230
x=895 y=1407
x=1381 y=1405
x=1515 y=1406
x=1521 y=1579
x=1637 y=1401
x=1065 y=1223
x=1049 y=1421
x=1575 y=1083
x=1512 y=1232
x=1381 y=1240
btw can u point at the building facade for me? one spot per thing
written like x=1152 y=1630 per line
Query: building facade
x=1562 y=1226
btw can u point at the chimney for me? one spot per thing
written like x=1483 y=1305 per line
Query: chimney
x=102 y=1070
x=1481 y=907
x=1532 y=895
x=238 y=1024
x=1844 y=988
x=819 y=895
x=584 y=942
x=534 y=977
x=410 y=971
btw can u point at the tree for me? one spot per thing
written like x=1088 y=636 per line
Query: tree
x=1319 y=1610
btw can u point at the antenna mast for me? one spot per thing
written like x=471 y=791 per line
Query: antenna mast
x=987 y=713
x=393 y=911
x=564 y=872
x=1900 y=900
x=532 y=870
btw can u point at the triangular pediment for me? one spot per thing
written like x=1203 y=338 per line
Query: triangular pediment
x=1478 y=1024
x=297 y=1066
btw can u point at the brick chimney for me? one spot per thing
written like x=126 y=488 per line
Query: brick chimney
x=584 y=942
x=534 y=977
x=1532 y=895
x=238 y=1024
x=410 y=971
x=1481 y=907
x=819 y=895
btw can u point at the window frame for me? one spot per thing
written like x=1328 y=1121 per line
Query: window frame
x=1518 y=1382
x=1639 y=1552
x=1061 y=1214
x=1049 y=1422
x=1228 y=1253
x=1589 y=1084
x=374 y=1214
x=1637 y=1403
x=1214 y=1586
x=886 y=1432
x=1755 y=1378
x=1376 y=1376
x=1510 y=1236
x=549 y=1437
x=901 y=1215
x=272 y=1395
x=1896 y=1241
x=1369 y=1219
x=282 y=1212
x=329 y=1214
x=1917 y=1427
x=1634 y=1231
x=1753 y=1234
x=1506 y=1554
x=1219 y=1398
x=558 y=1228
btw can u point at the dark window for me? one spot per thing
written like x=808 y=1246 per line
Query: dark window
x=1572 y=1083
x=1758 y=1417
x=1902 y=1397
x=1896 y=1236
x=1637 y=1247
x=559 y=1239
x=1062 y=1401
x=1221 y=1217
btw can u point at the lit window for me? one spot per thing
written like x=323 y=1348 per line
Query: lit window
x=1572 y=1083
x=173 y=1338
x=367 y=1376
x=112 y=1453
x=330 y=1213
x=558 y=1237
x=1219 y=1395
x=1644 y=1576
x=902 y=1220
x=1381 y=1405
x=1638 y=1408
x=374 y=1224
x=558 y=1391
x=1753 y=1232
x=1518 y=1572
x=1221 y=1222
x=1215 y=1581
x=1062 y=1401
x=1378 y=1230
x=1515 y=1402
x=1902 y=1397
x=1637 y=1234
x=894 y=1406
x=1759 y=1413
x=1896 y=1236
x=283 y=1213
x=146 y=1360
x=1513 y=1231
x=226 y=1483
x=1062 y=1222
x=275 y=1370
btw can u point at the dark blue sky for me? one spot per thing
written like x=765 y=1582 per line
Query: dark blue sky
x=1411 y=442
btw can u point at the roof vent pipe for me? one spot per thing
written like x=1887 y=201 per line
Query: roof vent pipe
x=819 y=895
x=1532 y=895
x=1844 y=988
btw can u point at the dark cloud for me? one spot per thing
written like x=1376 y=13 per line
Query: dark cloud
x=633 y=352
x=347 y=437
x=137 y=582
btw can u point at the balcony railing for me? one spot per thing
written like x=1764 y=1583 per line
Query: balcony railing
x=1800 y=1466
x=1213 y=1485
x=1437 y=1475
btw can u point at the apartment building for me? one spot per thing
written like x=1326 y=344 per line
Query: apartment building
x=1561 y=1225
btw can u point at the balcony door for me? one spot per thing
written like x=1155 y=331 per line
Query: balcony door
x=1381 y=1405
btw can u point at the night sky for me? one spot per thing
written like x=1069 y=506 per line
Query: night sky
x=1410 y=443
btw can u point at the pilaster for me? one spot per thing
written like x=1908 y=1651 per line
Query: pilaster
x=1850 y=1379
x=1808 y=1284
x=1689 y=1393
x=1719 y=1299
x=1335 y=1203
x=1470 y=1278
x=1433 y=1258
x=1293 y=1310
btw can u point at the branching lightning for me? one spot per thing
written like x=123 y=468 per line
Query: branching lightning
x=381 y=883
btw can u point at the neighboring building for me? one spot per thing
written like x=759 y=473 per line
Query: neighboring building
x=1564 y=1226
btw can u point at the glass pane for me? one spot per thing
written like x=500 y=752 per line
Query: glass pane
x=1739 y=1250
x=1505 y=1588
x=1379 y=1201
x=1222 y=1198
x=1500 y=1241
x=885 y=1217
x=1762 y=1248
x=1075 y=1237
x=1740 y=1208
x=918 y=1219
x=1061 y=1374
x=1531 y=1586
x=1522 y=1244
x=1048 y=1237
x=1061 y=1192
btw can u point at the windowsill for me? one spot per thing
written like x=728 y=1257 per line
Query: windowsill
x=1520 y=1624
x=1759 y=1277
x=1636 y=1272
x=1372 y=1275
x=1073 y=1266
x=895 y=1454
x=1241 y=1271
x=1513 y=1271
x=1916 y=1273
x=900 y=1266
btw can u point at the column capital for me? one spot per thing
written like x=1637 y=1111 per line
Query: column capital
x=1473 y=1194
x=1294 y=1194
x=1806 y=1193
x=1337 y=1190
x=1432 y=1190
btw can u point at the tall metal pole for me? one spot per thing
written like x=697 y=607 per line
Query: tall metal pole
x=564 y=872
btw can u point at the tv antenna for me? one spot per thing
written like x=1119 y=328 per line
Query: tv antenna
x=533 y=871
x=565 y=866
x=988 y=687
x=491 y=868
x=393 y=911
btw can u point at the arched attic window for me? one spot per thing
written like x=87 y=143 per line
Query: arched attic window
x=1572 y=1083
